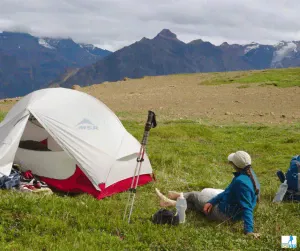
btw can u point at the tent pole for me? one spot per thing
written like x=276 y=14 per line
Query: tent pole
x=151 y=123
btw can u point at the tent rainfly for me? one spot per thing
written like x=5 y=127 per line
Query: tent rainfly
x=88 y=148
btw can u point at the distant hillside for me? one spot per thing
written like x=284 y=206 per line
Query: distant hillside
x=28 y=63
x=165 y=54
x=262 y=96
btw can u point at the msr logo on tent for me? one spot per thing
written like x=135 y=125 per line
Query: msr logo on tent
x=85 y=124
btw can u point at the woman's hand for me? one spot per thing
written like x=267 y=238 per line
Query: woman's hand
x=254 y=235
x=207 y=208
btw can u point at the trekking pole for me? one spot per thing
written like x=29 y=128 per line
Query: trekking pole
x=151 y=123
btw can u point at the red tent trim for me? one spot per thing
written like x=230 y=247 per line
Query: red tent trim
x=79 y=183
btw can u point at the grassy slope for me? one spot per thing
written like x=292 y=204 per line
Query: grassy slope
x=185 y=156
x=276 y=77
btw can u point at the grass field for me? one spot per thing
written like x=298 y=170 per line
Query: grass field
x=185 y=155
x=274 y=77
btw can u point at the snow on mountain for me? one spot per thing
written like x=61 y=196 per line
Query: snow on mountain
x=283 y=50
x=44 y=43
x=88 y=46
x=250 y=47
x=94 y=50
x=52 y=42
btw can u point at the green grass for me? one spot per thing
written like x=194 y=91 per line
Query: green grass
x=275 y=77
x=185 y=156
x=2 y=115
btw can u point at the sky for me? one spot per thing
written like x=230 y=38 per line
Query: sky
x=113 y=24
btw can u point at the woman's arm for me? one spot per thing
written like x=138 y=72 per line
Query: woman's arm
x=243 y=195
x=215 y=200
x=212 y=202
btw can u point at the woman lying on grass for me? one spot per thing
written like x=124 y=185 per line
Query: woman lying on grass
x=236 y=202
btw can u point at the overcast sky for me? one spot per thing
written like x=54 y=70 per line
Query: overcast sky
x=112 y=24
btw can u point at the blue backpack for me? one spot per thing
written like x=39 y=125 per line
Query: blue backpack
x=293 y=174
x=292 y=177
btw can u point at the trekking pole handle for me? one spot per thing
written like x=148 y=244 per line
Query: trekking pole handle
x=151 y=123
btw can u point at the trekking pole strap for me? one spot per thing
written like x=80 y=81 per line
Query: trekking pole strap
x=151 y=123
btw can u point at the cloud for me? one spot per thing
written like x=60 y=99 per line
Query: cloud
x=113 y=24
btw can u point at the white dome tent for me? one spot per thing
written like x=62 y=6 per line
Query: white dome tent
x=89 y=150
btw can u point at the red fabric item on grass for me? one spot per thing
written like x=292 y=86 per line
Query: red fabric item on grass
x=45 y=142
x=79 y=183
x=27 y=175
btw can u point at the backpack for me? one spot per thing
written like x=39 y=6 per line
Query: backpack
x=293 y=174
x=164 y=216
x=293 y=180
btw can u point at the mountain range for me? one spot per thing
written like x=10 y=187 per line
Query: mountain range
x=28 y=63
x=166 y=54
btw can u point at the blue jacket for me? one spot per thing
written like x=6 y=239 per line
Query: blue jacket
x=239 y=200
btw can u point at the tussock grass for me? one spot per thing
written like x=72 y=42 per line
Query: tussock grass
x=186 y=156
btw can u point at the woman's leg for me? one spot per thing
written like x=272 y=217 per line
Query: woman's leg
x=197 y=200
x=164 y=201
x=173 y=195
x=217 y=215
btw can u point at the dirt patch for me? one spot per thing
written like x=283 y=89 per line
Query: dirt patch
x=176 y=97
x=184 y=97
